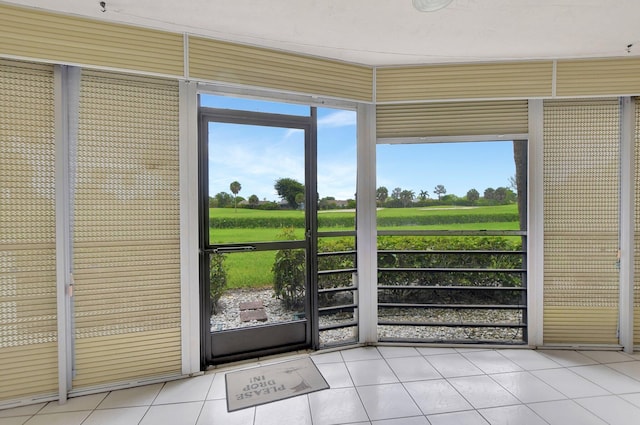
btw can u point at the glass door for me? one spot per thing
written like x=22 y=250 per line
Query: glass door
x=258 y=227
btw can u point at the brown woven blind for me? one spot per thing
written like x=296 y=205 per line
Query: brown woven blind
x=594 y=77
x=581 y=182
x=452 y=119
x=126 y=250
x=220 y=61
x=28 y=327
x=519 y=80
x=70 y=39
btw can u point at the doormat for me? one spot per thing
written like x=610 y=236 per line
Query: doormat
x=268 y=383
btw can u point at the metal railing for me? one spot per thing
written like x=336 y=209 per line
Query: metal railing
x=337 y=297
x=454 y=295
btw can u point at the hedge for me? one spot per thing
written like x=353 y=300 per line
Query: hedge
x=343 y=221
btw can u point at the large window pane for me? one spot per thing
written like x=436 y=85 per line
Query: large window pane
x=450 y=185
x=336 y=169
x=452 y=242
x=245 y=163
x=337 y=277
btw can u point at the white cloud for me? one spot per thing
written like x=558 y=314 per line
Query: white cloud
x=290 y=132
x=338 y=119
x=257 y=159
x=337 y=180
x=256 y=166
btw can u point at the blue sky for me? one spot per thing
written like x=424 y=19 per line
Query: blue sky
x=457 y=166
x=258 y=156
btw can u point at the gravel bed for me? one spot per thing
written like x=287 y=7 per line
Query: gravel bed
x=228 y=317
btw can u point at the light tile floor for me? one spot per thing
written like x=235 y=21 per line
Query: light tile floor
x=389 y=386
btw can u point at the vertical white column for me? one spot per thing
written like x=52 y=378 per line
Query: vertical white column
x=189 y=250
x=366 y=224
x=535 y=225
x=67 y=92
x=627 y=201
x=62 y=226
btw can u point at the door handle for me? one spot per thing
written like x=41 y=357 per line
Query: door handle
x=228 y=249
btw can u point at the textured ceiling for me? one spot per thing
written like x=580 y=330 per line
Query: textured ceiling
x=390 y=32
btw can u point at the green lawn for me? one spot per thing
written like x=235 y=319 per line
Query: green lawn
x=267 y=235
x=239 y=235
x=383 y=212
x=249 y=269
x=449 y=211
x=246 y=212
x=253 y=269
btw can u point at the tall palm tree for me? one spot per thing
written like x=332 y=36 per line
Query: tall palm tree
x=407 y=196
x=235 y=187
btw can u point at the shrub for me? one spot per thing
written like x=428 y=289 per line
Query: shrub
x=434 y=255
x=255 y=222
x=346 y=260
x=289 y=274
x=217 y=280
x=426 y=220
x=340 y=220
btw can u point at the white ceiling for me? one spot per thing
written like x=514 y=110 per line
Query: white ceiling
x=390 y=32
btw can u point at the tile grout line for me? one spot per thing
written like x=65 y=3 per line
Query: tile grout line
x=477 y=410
x=151 y=404
x=205 y=398
x=401 y=382
x=356 y=388
x=308 y=406
x=522 y=403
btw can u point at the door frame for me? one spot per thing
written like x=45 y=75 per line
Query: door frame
x=253 y=342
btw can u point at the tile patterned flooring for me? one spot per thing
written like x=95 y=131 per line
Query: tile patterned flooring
x=388 y=386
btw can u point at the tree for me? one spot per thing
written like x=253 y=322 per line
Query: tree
x=450 y=199
x=500 y=194
x=439 y=190
x=473 y=195
x=288 y=189
x=382 y=193
x=395 y=193
x=504 y=195
x=235 y=187
x=327 y=203
x=423 y=195
x=254 y=201
x=406 y=196
x=489 y=194
x=223 y=199
x=300 y=200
